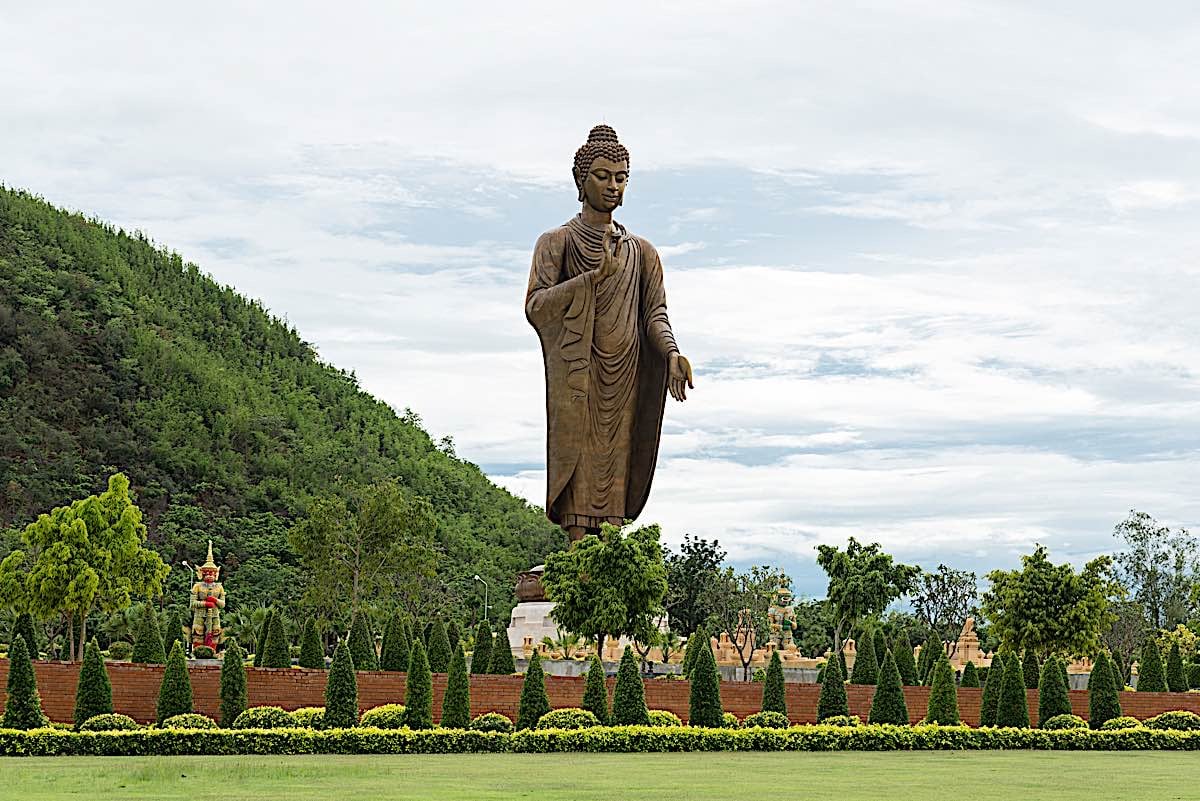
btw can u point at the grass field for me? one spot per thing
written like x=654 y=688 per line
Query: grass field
x=896 y=776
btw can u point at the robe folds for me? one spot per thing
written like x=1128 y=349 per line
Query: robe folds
x=605 y=345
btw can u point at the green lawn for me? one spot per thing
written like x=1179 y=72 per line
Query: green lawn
x=896 y=776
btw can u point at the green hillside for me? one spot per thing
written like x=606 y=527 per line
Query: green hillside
x=117 y=355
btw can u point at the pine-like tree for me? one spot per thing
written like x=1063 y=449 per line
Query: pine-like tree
x=362 y=644
x=888 y=704
x=704 y=696
x=970 y=676
x=176 y=633
x=456 y=703
x=396 y=650
x=1150 y=669
x=341 y=690
x=175 y=692
x=691 y=650
x=866 y=667
x=879 y=643
x=277 y=655
x=629 y=696
x=148 y=642
x=534 y=702
x=905 y=663
x=1014 y=705
x=1176 y=679
x=1031 y=670
x=454 y=634
x=929 y=654
x=1104 y=702
x=233 y=684
x=93 y=693
x=832 y=701
x=989 y=705
x=439 y=648
x=774 y=698
x=312 y=654
x=23 y=708
x=1066 y=680
x=23 y=627
x=1052 y=692
x=501 y=662
x=943 y=694
x=418 y=695
x=482 y=655
x=595 y=693
x=260 y=643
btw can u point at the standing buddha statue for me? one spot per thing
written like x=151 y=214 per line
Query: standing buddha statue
x=208 y=599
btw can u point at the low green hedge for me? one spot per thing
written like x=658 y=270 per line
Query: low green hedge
x=1122 y=722
x=766 y=720
x=568 y=718
x=190 y=720
x=264 y=717
x=1068 y=721
x=663 y=717
x=626 y=739
x=309 y=717
x=492 y=722
x=388 y=716
x=1179 y=720
x=110 y=722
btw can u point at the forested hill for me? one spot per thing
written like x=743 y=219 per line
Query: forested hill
x=115 y=355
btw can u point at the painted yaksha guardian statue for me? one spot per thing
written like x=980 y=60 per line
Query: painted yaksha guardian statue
x=597 y=302
x=208 y=599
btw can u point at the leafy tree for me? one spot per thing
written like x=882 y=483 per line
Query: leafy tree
x=689 y=573
x=813 y=631
x=418 y=696
x=863 y=580
x=1048 y=608
x=1125 y=635
x=595 y=693
x=93 y=693
x=534 y=702
x=832 y=701
x=1150 y=670
x=704 y=695
x=943 y=695
x=608 y=586
x=1176 y=679
x=1159 y=566
x=175 y=692
x=233 y=683
x=1013 y=709
x=312 y=653
x=989 y=705
x=903 y=654
x=260 y=645
x=774 y=698
x=740 y=602
x=148 y=645
x=501 y=661
x=629 y=696
x=362 y=644
x=23 y=706
x=456 y=704
x=341 y=690
x=1104 y=702
x=866 y=669
x=1031 y=670
x=481 y=657
x=970 y=676
x=943 y=600
x=888 y=704
x=277 y=654
x=1052 y=692
x=439 y=648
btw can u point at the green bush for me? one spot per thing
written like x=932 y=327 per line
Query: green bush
x=534 y=702
x=903 y=652
x=119 y=650
x=970 y=676
x=1053 y=700
x=1067 y=721
x=759 y=675
x=1193 y=674
x=23 y=627
x=203 y=652
x=233 y=684
x=388 y=716
x=341 y=690
x=595 y=692
x=492 y=722
x=394 y=654
x=179 y=630
x=175 y=692
x=943 y=694
x=276 y=655
x=729 y=721
x=929 y=654
x=1150 y=669
x=866 y=665
x=362 y=644
x=418 y=686
x=704 y=695
x=1177 y=681
x=312 y=655
x=629 y=696
x=842 y=720
x=454 y=635
x=990 y=703
x=1104 y=702
x=774 y=699
x=501 y=663
x=766 y=720
x=1120 y=722
x=264 y=717
x=309 y=717
x=456 y=703
x=189 y=721
x=1031 y=670
x=1178 y=720
x=832 y=702
x=148 y=642
x=439 y=653
x=93 y=692
x=260 y=645
x=661 y=717
x=888 y=704
x=110 y=722
x=482 y=655
x=1014 y=704
x=692 y=649
x=568 y=718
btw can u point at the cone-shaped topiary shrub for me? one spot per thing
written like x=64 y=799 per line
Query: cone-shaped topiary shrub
x=704 y=696
x=1063 y=721
x=929 y=653
x=595 y=693
x=418 y=690
x=481 y=657
x=1031 y=670
x=362 y=644
x=866 y=668
x=233 y=684
x=629 y=696
x=492 y=721
x=534 y=702
x=1150 y=669
x=260 y=644
x=341 y=690
x=568 y=718
x=110 y=722
x=456 y=704
x=832 y=702
x=903 y=653
x=773 y=699
x=453 y=634
x=276 y=655
x=1014 y=707
x=970 y=676
x=1053 y=700
x=175 y=692
x=691 y=650
x=23 y=709
x=1104 y=703
x=990 y=703
x=1176 y=679
x=148 y=642
x=879 y=643
x=388 y=716
x=501 y=662
x=888 y=705
x=439 y=654
x=312 y=654
x=264 y=717
x=23 y=627
x=396 y=650
x=1193 y=674
x=93 y=693
x=943 y=694
x=1066 y=680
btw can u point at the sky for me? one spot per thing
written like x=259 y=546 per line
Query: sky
x=935 y=263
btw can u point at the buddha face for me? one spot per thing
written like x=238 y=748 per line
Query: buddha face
x=604 y=185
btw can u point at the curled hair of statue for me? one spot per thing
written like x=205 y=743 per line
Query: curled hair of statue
x=601 y=142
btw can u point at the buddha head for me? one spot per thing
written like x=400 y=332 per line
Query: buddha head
x=601 y=170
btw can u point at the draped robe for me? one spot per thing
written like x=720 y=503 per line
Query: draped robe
x=605 y=345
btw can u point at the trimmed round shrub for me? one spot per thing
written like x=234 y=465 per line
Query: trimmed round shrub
x=664 y=719
x=1122 y=722
x=189 y=720
x=1178 y=720
x=120 y=651
x=309 y=717
x=1064 y=722
x=203 y=652
x=568 y=718
x=110 y=722
x=388 y=716
x=842 y=720
x=263 y=717
x=730 y=721
x=766 y=720
x=492 y=721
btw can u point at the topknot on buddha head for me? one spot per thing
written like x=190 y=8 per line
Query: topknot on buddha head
x=602 y=142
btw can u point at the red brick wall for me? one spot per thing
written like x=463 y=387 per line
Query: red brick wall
x=135 y=692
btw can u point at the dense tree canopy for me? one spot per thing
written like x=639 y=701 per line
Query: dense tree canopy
x=863 y=580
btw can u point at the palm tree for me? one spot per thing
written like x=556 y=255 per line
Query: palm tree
x=567 y=644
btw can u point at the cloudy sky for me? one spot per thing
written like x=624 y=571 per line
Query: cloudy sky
x=935 y=263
